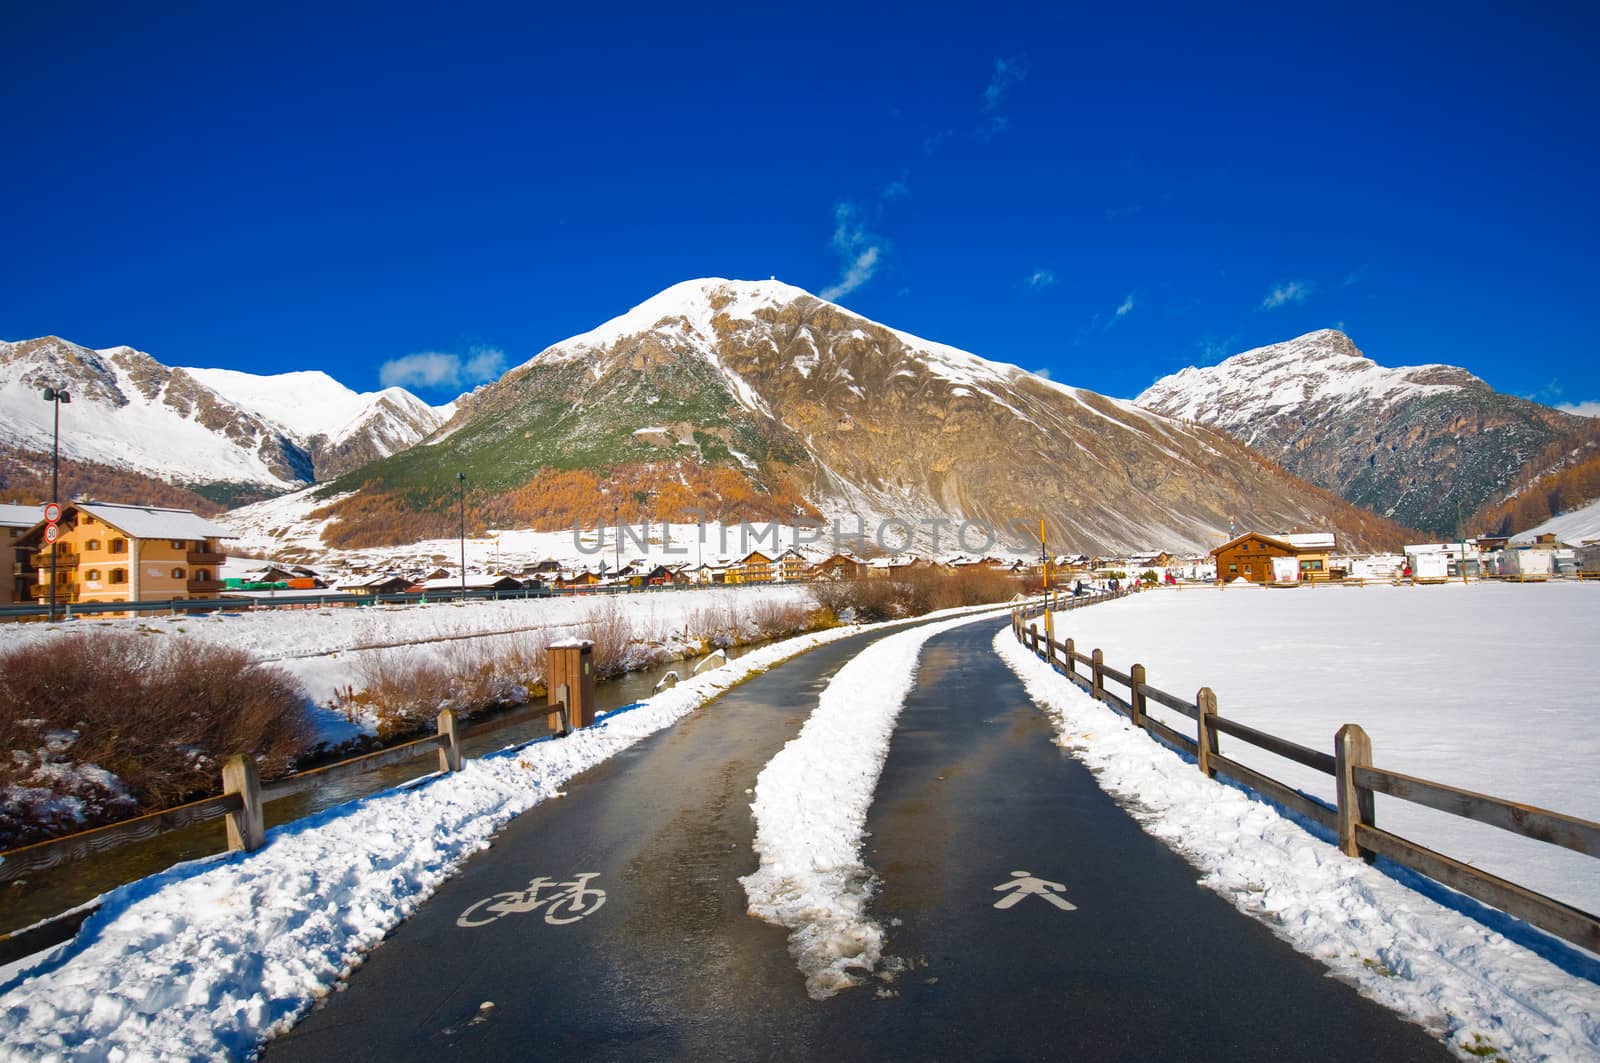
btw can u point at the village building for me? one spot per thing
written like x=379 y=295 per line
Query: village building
x=789 y=567
x=369 y=586
x=109 y=552
x=1250 y=557
x=894 y=565
x=839 y=566
x=754 y=567
x=15 y=521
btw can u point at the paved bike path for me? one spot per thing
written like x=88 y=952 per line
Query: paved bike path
x=1148 y=965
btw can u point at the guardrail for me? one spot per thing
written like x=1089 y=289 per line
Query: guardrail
x=304 y=600
x=241 y=804
x=1356 y=781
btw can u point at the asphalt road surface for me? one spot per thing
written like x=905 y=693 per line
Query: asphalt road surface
x=1105 y=948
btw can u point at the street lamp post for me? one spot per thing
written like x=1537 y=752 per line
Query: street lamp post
x=56 y=396
x=461 y=478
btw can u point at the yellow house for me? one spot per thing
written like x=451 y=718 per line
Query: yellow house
x=109 y=552
x=754 y=567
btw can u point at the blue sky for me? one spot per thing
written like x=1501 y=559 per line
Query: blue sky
x=1108 y=197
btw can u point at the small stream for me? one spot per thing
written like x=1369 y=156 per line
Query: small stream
x=57 y=889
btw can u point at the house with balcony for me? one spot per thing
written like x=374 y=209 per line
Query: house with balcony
x=110 y=552
x=1249 y=557
x=18 y=576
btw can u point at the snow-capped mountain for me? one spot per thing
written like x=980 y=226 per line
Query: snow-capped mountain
x=200 y=427
x=1426 y=445
x=758 y=401
x=341 y=429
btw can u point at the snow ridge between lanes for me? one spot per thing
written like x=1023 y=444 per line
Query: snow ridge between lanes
x=1457 y=978
x=811 y=807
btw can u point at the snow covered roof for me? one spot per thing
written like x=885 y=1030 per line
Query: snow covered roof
x=1308 y=540
x=20 y=516
x=152 y=522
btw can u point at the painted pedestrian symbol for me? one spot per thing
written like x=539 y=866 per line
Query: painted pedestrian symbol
x=1025 y=885
x=570 y=902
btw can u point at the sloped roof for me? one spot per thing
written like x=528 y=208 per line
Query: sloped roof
x=20 y=516
x=151 y=522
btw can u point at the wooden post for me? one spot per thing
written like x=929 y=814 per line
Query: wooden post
x=1206 y=737
x=562 y=701
x=450 y=750
x=247 y=829
x=1136 y=695
x=1097 y=685
x=1352 y=749
x=1072 y=662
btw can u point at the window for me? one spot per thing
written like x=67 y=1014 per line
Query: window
x=180 y=544
x=202 y=575
x=1233 y=568
x=87 y=519
x=177 y=573
x=92 y=544
x=119 y=546
x=1247 y=568
x=119 y=575
x=92 y=574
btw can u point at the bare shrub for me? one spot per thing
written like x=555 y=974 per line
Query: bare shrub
x=609 y=628
x=159 y=715
x=405 y=691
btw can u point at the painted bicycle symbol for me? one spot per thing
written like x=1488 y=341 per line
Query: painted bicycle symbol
x=570 y=902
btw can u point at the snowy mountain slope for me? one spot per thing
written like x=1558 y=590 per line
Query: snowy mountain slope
x=1574 y=527
x=756 y=400
x=1427 y=445
x=130 y=411
x=340 y=428
x=201 y=426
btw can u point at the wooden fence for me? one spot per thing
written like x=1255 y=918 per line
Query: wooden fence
x=241 y=803
x=1356 y=780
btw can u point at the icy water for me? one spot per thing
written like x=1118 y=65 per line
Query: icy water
x=53 y=891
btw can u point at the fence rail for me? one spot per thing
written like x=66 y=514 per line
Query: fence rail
x=1356 y=782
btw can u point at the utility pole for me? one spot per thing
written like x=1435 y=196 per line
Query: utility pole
x=461 y=478
x=56 y=396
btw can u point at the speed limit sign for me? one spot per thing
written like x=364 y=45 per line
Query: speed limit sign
x=51 y=533
x=52 y=512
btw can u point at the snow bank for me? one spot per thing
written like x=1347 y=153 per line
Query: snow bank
x=811 y=808
x=1464 y=982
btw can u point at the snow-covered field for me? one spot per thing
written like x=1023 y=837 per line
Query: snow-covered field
x=325 y=648
x=1491 y=687
x=1468 y=984
x=209 y=958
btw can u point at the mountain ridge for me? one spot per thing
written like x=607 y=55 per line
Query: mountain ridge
x=1426 y=445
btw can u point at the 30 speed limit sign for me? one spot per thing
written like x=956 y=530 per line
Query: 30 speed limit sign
x=52 y=512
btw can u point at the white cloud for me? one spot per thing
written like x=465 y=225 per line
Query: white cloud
x=1126 y=306
x=1589 y=408
x=435 y=369
x=1007 y=72
x=859 y=248
x=1040 y=278
x=1284 y=294
x=897 y=189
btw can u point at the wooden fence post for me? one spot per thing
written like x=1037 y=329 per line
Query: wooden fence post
x=1206 y=738
x=1097 y=686
x=1136 y=695
x=247 y=830
x=1352 y=749
x=450 y=749
x=1072 y=662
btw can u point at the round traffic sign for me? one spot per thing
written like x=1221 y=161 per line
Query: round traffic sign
x=52 y=512
x=51 y=533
